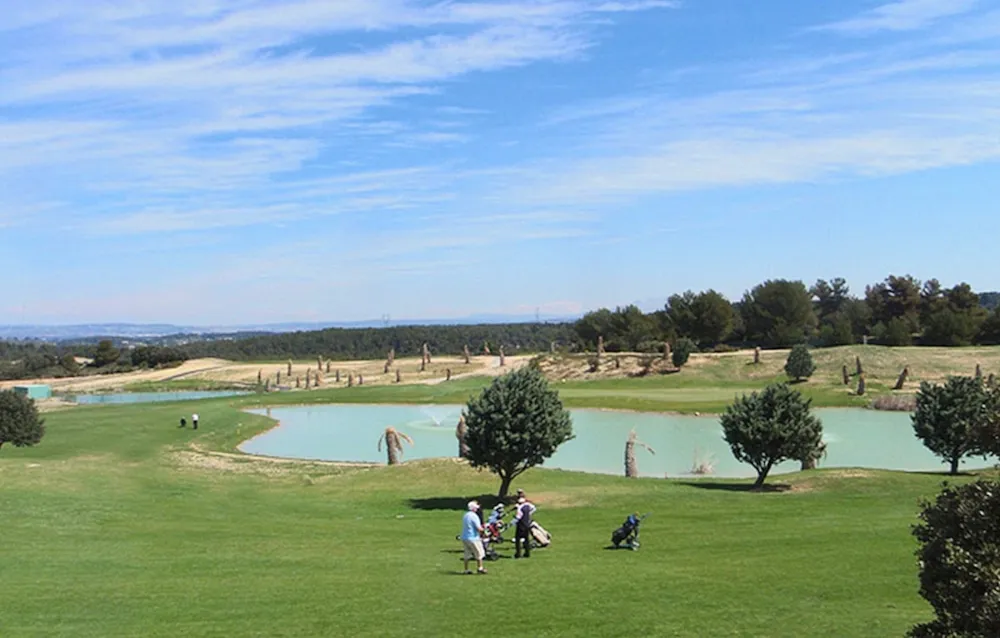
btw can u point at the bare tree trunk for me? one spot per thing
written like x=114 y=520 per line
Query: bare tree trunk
x=260 y=375
x=503 y=359
x=350 y=380
x=361 y=379
x=423 y=364
x=398 y=376
x=385 y=368
x=317 y=379
x=337 y=376
x=761 y=477
x=465 y=350
x=278 y=378
x=861 y=384
x=857 y=364
x=267 y=385
x=631 y=470
x=756 y=355
x=298 y=382
x=460 y=431
x=902 y=378
x=328 y=367
x=505 y=482
x=600 y=345
x=447 y=373
x=955 y=460
x=618 y=363
x=319 y=362
x=847 y=377
x=289 y=367
x=552 y=347
x=979 y=372
x=808 y=463
x=391 y=445
x=666 y=351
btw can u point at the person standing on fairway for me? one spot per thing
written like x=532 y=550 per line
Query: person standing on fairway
x=194 y=421
x=522 y=522
x=472 y=531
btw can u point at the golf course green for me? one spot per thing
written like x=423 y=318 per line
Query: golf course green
x=120 y=523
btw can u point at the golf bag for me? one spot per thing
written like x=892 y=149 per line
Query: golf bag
x=539 y=536
x=628 y=533
x=493 y=532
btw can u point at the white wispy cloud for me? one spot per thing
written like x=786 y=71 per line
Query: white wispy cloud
x=184 y=114
x=860 y=112
x=902 y=15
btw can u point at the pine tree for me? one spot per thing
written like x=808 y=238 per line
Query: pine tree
x=799 y=365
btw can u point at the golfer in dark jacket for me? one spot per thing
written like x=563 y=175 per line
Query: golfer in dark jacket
x=522 y=522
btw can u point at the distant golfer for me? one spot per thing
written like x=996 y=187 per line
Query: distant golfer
x=472 y=539
x=194 y=421
x=183 y=422
x=522 y=525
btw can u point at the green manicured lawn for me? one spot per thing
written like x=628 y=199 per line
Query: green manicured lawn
x=113 y=527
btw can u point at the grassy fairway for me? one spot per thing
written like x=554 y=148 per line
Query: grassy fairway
x=113 y=527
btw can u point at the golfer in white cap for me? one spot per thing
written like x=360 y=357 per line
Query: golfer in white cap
x=472 y=530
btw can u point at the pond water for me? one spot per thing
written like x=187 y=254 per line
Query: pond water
x=152 y=397
x=854 y=437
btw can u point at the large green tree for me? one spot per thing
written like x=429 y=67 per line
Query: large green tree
x=19 y=422
x=954 y=318
x=959 y=561
x=895 y=298
x=766 y=428
x=630 y=328
x=705 y=318
x=515 y=423
x=950 y=418
x=778 y=313
x=106 y=354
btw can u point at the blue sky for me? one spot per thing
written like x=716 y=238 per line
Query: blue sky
x=248 y=161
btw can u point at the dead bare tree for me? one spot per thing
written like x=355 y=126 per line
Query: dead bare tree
x=902 y=378
x=631 y=467
x=393 y=444
x=460 y=431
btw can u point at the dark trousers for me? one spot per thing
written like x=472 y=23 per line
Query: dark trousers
x=523 y=534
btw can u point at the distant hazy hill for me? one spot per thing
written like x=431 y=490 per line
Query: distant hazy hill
x=147 y=331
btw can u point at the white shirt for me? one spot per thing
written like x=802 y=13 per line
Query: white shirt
x=194 y=417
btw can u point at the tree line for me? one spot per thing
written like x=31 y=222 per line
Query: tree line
x=899 y=311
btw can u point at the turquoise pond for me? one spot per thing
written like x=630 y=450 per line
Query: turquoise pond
x=152 y=397
x=854 y=437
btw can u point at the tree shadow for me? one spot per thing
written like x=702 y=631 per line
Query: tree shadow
x=454 y=503
x=946 y=473
x=766 y=488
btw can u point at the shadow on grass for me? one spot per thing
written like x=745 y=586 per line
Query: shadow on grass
x=766 y=488
x=453 y=503
x=947 y=474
